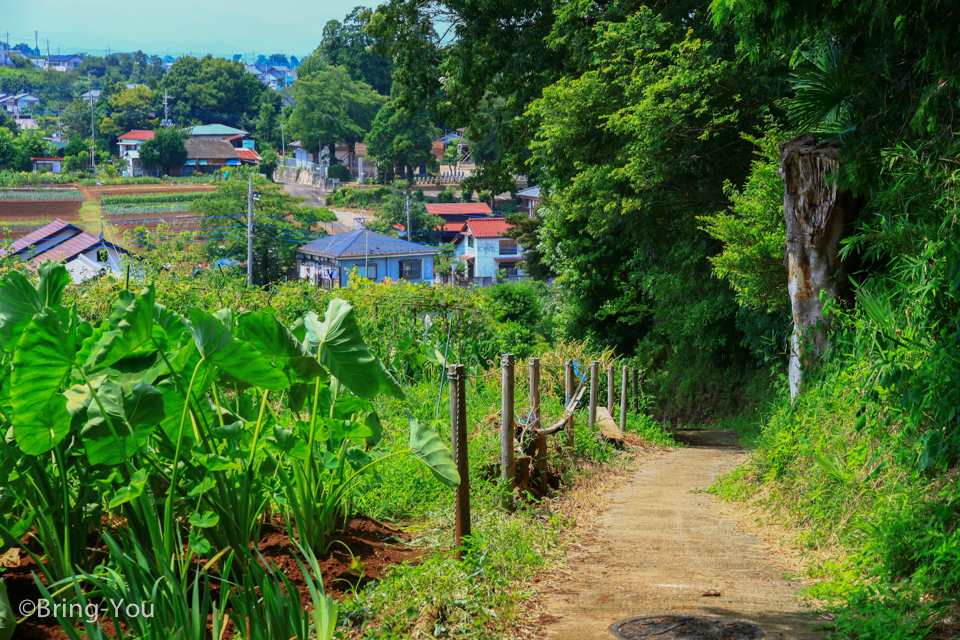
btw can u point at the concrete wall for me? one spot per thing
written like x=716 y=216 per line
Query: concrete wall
x=301 y=176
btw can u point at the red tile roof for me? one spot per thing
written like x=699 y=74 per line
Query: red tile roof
x=138 y=134
x=454 y=227
x=250 y=155
x=53 y=159
x=486 y=227
x=461 y=209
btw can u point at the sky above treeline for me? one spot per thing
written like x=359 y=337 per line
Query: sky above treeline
x=173 y=27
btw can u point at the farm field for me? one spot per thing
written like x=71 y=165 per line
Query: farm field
x=93 y=192
x=352 y=478
x=18 y=218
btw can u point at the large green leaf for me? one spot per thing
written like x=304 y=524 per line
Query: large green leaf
x=271 y=338
x=8 y=622
x=235 y=357
x=432 y=451
x=45 y=431
x=344 y=353
x=42 y=358
x=133 y=417
x=132 y=325
x=19 y=302
x=54 y=278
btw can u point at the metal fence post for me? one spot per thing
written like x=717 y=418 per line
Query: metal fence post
x=508 y=464
x=458 y=423
x=624 y=398
x=636 y=393
x=592 y=419
x=568 y=390
x=610 y=390
x=534 y=419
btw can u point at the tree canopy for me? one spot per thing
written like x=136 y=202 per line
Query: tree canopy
x=165 y=149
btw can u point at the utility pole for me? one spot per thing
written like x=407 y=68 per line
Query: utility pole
x=166 y=111
x=283 y=140
x=93 y=130
x=409 y=228
x=36 y=45
x=48 y=51
x=250 y=234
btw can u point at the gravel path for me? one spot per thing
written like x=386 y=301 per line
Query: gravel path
x=662 y=545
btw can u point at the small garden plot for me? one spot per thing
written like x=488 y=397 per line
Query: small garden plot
x=143 y=199
x=39 y=195
x=46 y=210
x=94 y=192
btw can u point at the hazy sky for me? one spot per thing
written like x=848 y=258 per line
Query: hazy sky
x=172 y=27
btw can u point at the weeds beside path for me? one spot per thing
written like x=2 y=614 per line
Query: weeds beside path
x=661 y=545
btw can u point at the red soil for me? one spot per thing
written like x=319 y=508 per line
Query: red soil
x=93 y=193
x=375 y=544
x=47 y=210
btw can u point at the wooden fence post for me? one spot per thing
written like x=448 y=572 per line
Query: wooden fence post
x=610 y=390
x=624 y=398
x=636 y=393
x=456 y=373
x=540 y=457
x=568 y=390
x=592 y=411
x=508 y=464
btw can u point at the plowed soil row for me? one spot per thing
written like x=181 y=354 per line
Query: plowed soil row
x=67 y=210
x=93 y=193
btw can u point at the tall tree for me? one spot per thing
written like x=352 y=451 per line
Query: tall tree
x=212 y=89
x=275 y=237
x=129 y=109
x=347 y=44
x=331 y=107
x=165 y=149
x=400 y=140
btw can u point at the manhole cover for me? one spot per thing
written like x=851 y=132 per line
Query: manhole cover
x=685 y=628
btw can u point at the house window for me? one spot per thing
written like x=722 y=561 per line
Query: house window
x=369 y=271
x=508 y=247
x=508 y=268
x=103 y=255
x=410 y=269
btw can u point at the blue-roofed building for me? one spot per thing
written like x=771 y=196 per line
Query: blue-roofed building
x=327 y=262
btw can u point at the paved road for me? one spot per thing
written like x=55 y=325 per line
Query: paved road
x=345 y=219
x=661 y=546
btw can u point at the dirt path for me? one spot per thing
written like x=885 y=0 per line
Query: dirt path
x=661 y=545
x=345 y=219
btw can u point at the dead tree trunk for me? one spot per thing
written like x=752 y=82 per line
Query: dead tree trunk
x=815 y=212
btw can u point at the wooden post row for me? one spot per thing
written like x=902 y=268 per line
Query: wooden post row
x=508 y=464
x=592 y=419
x=458 y=423
x=569 y=389
x=624 y=395
x=610 y=390
x=636 y=393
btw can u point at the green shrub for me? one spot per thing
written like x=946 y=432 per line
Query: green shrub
x=339 y=172
x=447 y=195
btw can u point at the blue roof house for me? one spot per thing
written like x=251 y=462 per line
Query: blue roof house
x=327 y=262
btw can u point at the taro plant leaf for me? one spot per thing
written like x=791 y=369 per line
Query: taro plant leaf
x=271 y=338
x=199 y=544
x=285 y=441
x=344 y=353
x=204 y=520
x=8 y=622
x=19 y=302
x=140 y=411
x=357 y=458
x=237 y=358
x=132 y=329
x=46 y=430
x=376 y=429
x=130 y=492
x=43 y=357
x=331 y=461
x=432 y=451
x=54 y=278
x=168 y=327
x=231 y=431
